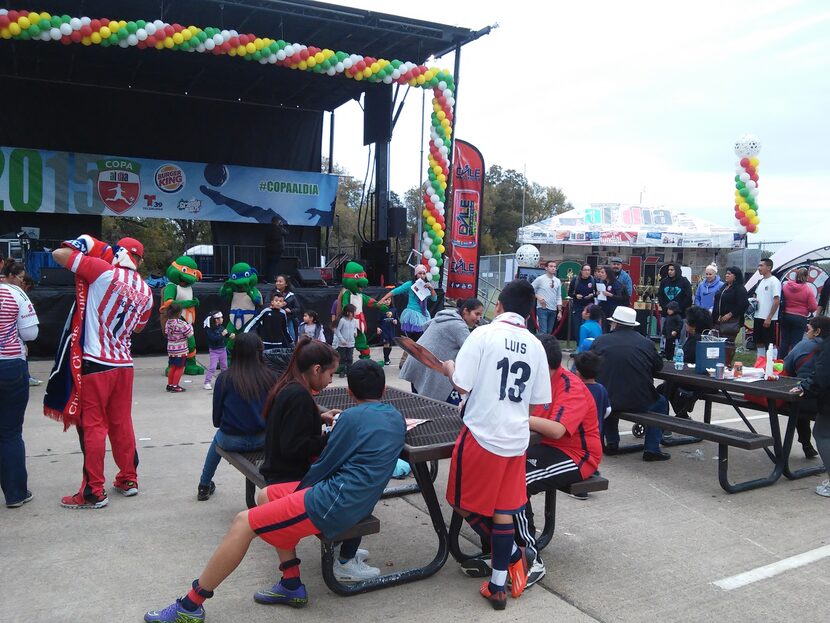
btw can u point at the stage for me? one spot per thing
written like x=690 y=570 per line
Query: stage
x=53 y=303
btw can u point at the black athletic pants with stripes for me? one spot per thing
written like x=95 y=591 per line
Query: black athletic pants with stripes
x=546 y=468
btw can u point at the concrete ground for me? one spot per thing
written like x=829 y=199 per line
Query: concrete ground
x=649 y=548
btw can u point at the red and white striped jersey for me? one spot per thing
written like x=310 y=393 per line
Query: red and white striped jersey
x=119 y=303
x=16 y=312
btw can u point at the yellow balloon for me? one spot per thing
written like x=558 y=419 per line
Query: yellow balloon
x=443 y=186
x=431 y=221
x=259 y=43
x=754 y=162
x=754 y=220
x=319 y=57
x=375 y=67
x=231 y=52
x=45 y=15
x=442 y=177
x=367 y=73
x=24 y=22
x=34 y=18
x=105 y=32
x=412 y=82
x=302 y=65
x=96 y=38
x=436 y=227
x=426 y=213
x=358 y=76
x=5 y=33
x=114 y=26
x=250 y=48
x=178 y=38
x=187 y=35
x=14 y=28
x=441 y=248
x=420 y=79
x=436 y=169
x=311 y=61
x=159 y=45
x=169 y=43
x=86 y=41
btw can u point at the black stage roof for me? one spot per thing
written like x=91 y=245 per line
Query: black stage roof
x=220 y=77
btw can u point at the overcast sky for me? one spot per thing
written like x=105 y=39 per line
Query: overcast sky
x=605 y=99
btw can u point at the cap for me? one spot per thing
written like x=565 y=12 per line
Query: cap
x=133 y=246
x=616 y=260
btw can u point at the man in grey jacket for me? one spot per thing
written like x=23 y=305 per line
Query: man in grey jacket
x=443 y=337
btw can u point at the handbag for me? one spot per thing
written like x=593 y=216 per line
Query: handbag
x=730 y=328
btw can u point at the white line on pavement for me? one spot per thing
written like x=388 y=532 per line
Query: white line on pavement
x=771 y=570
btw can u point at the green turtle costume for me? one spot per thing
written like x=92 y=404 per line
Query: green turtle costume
x=240 y=288
x=182 y=274
x=353 y=281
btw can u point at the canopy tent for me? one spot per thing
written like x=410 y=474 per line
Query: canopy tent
x=800 y=252
x=614 y=224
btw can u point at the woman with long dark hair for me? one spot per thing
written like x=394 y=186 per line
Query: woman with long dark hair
x=730 y=305
x=614 y=296
x=292 y=306
x=238 y=397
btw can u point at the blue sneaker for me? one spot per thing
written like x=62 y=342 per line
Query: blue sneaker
x=278 y=594
x=175 y=613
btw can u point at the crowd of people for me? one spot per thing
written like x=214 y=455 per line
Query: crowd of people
x=326 y=469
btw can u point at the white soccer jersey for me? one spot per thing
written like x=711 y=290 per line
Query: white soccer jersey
x=766 y=290
x=505 y=370
x=119 y=302
x=16 y=312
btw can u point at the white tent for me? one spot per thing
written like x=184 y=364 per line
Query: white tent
x=613 y=224
x=796 y=253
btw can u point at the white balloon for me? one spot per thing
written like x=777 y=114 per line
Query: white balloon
x=46 y=35
x=430 y=191
x=446 y=93
x=54 y=34
x=753 y=192
x=750 y=184
x=150 y=29
x=209 y=44
x=387 y=79
x=280 y=55
x=216 y=39
x=65 y=29
x=396 y=73
x=428 y=254
x=159 y=24
x=86 y=21
x=433 y=262
x=75 y=23
x=438 y=142
x=347 y=63
x=744 y=177
x=289 y=50
x=440 y=205
x=123 y=43
x=331 y=71
x=442 y=85
x=200 y=48
x=4 y=11
x=225 y=34
x=141 y=35
x=434 y=270
x=132 y=39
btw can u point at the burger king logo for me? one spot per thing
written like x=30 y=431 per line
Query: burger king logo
x=169 y=178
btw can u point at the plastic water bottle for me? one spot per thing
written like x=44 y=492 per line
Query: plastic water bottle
x=678 y=358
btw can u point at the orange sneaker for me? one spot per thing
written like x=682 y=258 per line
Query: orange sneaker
x=498 y=599
x=518 y=572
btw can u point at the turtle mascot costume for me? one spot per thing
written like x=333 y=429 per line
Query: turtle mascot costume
x=182 y=274
x=353 y=281
x=241 y=289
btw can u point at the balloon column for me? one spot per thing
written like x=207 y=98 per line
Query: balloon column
x=25 y=25
x=746 y=183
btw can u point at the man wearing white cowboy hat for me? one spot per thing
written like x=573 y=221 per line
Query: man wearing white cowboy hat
x=629 y=362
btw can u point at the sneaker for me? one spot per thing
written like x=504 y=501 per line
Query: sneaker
x=537 y=572
x=809 y=451
x=176 y=389
x=33 y=382
x=478 y=567
x=362 y=554
x=579 y=496
x=498 y=599
x=518 y=572
x=128 y=488
x=207 y=386
x=28 y=498
x=205 y=491
x=175 y=613
x=354 y=570
x=387 y=363
x=278 y=594
x=79 y=501
x=824 y=489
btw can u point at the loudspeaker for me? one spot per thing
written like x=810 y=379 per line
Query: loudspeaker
x=375 y=259
x=396 y=222
x=310 y=277
x=50 y=276
x=377 y=114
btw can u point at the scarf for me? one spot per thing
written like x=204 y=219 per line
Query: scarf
x=62 y=401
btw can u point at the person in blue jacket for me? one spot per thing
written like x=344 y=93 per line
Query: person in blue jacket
x=591 y=328
x=341 y=488
x=708 y=288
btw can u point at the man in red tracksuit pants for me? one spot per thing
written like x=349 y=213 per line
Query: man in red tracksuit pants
x=118 y=304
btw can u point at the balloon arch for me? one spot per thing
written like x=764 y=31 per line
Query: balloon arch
x=159 y=35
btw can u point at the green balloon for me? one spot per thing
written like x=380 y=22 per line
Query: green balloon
x=55 y=22
x=131 y=27
x=34 y=30
x=140 y=23
x=740 y=185
x=744 y=192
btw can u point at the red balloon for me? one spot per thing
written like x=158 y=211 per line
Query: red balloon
x=66 y=40
x=86 y=30
x=4 y=21
x=754 y=177
x=744 y=162
x=243 y=39
x=751 y=171
x=76 y=36
x=177 y=27
x=150 y=40
x=168 y=30
x=13 y=15
x=95 y=24
x=304 y=54
x=751 y=228
x=745 y=221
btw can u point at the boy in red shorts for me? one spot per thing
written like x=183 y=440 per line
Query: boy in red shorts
x=339 y=490
x=503 y=369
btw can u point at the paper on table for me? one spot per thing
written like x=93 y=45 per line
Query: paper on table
x=601 y=292
x=420 y=289
x=413 y=422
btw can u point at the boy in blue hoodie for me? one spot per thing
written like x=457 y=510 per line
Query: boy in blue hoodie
x=341 y=488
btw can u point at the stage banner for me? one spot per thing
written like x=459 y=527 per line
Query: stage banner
x=467 y=196
x=56 y=182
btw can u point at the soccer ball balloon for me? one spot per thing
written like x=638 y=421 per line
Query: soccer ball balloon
x=747 y=146
x=527 y=255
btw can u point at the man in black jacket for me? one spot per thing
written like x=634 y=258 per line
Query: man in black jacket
x=817 y=387
x=674 y=287
x=629 y=362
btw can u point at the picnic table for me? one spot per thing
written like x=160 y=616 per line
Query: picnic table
x=731 y=392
